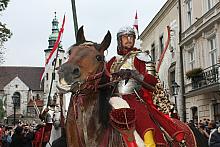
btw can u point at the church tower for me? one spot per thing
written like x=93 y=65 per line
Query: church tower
x=50 y=72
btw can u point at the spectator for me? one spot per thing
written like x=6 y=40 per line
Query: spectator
x=200 y=139
x=28 y=136
x=214 y=138
x=17 y=137
x=7 y=138
x=211 y=127
x=1 y=134
x=202 y=130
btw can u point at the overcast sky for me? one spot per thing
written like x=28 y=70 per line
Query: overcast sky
x=30 y=22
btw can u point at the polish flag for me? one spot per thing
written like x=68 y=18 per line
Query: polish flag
x=53 y=54
x=136 y=24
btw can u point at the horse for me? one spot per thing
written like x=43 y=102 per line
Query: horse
x=84 y=74
x=86 y=122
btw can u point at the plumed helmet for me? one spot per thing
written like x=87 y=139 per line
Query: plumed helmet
x=126 y=30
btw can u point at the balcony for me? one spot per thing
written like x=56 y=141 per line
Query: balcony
x=206 y=81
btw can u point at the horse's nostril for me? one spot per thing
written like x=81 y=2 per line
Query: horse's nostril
x=76 y=71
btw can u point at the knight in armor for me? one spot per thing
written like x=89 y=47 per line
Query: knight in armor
x=43 y=131
x=45 y=116
x=136 y=93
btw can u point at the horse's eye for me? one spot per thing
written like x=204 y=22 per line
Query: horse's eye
x=100 y=58
x=69 y=52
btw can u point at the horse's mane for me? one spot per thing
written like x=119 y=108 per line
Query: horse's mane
x=104 y=106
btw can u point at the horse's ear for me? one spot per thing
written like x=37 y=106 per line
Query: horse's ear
x=106 y=42
x=80 y=38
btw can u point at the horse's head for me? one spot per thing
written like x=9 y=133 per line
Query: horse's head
x=85 y=60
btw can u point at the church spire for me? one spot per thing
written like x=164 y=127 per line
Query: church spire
x=54 y=35
x=55 y=23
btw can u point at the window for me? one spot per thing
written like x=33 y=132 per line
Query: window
x=60 y=62
x=189 y=12
x=153 y=52
x=216 y=111
x=54 y=61
x=161 y=44
x=17 y=100
x=172 y=76
x=194 y=114
x=172 y=80
x=37 y=96
x=47 y=76
x=51 y=43
x=212 y=50
x=191 y=59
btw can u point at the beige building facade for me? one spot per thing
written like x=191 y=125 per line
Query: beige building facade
x=200 y=44
x=192 y=58
x=154 y=39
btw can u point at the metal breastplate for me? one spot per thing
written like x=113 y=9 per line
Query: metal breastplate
x=126 y=62
x=129 y=87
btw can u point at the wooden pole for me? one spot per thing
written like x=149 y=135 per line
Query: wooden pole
x=74 y=17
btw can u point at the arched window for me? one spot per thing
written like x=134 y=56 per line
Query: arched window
x=194 y=111
x=16 y=98
x=216 y=111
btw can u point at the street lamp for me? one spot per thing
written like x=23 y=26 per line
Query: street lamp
x=175 y=90
x=15 y=98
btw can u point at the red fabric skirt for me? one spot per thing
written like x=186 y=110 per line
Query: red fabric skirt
x=149 y=118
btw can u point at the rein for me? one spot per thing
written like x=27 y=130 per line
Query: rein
x=88 y=82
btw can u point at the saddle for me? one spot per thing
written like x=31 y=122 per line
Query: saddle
x=123 y=120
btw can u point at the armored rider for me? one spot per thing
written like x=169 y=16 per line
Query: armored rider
x=136 y=93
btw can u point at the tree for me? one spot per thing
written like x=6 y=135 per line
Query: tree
x=5 y=33
x=2 y=111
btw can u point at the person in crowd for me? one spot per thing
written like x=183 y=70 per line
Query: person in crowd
x=17 y=137
x=6 y=137
x=1 y=134
x=200 y=139
x=214 y=138
x=202 y=130
x=211 y=126
x=28 y=136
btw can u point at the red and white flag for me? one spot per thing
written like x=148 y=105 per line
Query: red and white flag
x=136 y=24
x=52 y=54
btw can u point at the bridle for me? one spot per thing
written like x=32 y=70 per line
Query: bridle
x=91 y=82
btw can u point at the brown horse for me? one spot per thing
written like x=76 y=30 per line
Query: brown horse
x=87 y=118
x=88 y=113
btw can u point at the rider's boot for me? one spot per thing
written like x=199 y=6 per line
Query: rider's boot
x=149 y=139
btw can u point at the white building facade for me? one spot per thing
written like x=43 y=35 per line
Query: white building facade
x=200 y=44
x=24 y=82
x=154 y=39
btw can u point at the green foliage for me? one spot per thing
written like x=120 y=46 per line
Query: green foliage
x=193 y=73
x=3 y=4
x=5 y=33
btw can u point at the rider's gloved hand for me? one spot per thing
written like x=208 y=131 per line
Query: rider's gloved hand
x=123 y=74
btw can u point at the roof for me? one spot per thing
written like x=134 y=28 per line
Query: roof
x=160 y=15
x=39 y=103
x=29 y=75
